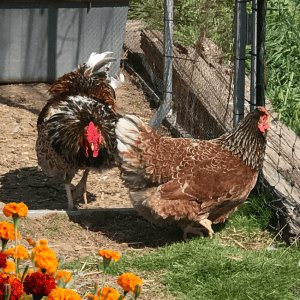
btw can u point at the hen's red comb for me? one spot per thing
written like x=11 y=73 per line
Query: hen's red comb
x=264 y=110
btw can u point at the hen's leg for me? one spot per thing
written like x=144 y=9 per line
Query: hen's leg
x=80 y=188
x=190 y=229
x=69 y=195
x=207 y=224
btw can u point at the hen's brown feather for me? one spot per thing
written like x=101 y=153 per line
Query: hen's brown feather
x=189 y=180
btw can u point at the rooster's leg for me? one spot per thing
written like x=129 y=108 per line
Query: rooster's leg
x=80 y=188
x=190 y=229
x=207 y=224
x=69 y=195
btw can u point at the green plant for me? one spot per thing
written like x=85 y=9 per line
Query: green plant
x=190 y=18
x=283 y=60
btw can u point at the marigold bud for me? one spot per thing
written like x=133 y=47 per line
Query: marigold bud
x=6 y=290
x=138 y=290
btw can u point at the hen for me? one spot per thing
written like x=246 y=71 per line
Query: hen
x=191 y=181
x=76 y=128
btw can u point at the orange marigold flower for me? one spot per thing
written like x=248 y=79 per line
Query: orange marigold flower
x=19 y=209
x=21 y=252
x=62 y=294
x=10 y=267
x=66 y=276
x=16 y=286
x=128 y=281
x=7 y=231
x=109 y=255
x=3 y=262
x=107 y=293
x=39 y=284
x=42 y=250
x=30 y=241
x=36 y=243
x=49 y=264
x=45 y=258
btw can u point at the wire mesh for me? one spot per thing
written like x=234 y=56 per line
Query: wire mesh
x=203 y=86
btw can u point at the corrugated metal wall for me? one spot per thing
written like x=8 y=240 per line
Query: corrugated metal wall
x=41 y=41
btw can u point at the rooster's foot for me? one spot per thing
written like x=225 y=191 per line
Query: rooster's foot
x=80 y=188
x=70 y=198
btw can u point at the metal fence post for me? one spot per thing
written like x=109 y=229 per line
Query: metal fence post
x=239 y=59
x=261 y=33
x=253 y=94
x=168 y=68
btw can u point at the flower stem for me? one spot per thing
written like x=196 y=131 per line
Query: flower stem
x=16 y=252
x=102 y=284
x=16 y=220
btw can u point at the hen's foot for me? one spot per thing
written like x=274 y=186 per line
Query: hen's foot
x=207 y=224
x=193 y=230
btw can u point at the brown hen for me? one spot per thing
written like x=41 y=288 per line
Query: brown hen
x=191 y=181
x=76 y=128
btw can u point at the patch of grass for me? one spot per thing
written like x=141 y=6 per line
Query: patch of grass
x=54 y=227
x=203 y=269
x=254 y=215
x=222 y=267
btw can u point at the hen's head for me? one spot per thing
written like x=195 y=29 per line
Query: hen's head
x=93 y=138
x=264 y=119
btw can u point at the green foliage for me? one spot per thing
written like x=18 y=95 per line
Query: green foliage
x=190 y=18
x=282 y=51
x=204 y=269
x=282 y=41
x=254 y=215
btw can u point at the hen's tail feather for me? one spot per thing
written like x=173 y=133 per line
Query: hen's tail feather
x=127 y=131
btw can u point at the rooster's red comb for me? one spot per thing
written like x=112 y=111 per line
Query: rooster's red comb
x=92 y=133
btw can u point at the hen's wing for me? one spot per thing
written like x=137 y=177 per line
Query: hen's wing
x=196 y=175
x=209 y=188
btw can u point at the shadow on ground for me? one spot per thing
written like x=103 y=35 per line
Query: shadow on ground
x=128 y=227
x=34 y=188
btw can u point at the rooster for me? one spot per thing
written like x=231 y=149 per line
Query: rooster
x=191 y=181
x=76 y=128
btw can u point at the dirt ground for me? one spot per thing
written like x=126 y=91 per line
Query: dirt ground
x=22 y=181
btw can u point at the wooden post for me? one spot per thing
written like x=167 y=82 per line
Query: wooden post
x=166 y=105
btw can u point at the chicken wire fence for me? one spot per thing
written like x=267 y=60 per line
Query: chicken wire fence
x=203 y=95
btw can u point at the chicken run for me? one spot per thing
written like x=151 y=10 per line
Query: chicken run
x=184 y=181
x=21 y=180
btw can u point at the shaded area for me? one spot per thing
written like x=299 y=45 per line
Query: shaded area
x=34 y=188
x=31 y=97
x=129 y=228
